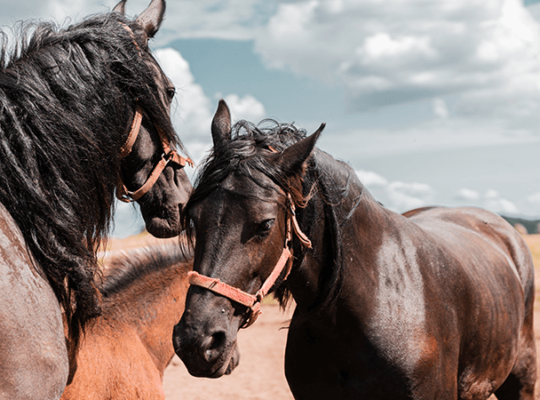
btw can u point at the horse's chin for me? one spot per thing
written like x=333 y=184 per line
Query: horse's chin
x=163 y=222
x=226 y=367
x=163 y=228
x=234 y=361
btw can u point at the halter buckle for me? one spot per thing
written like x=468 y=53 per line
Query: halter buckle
x=126 y=198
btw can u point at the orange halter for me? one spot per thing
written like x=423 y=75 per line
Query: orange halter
x=253 y=302
x=168 y=155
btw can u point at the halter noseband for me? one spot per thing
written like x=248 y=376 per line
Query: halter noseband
x=169 y=155
x=253 y=302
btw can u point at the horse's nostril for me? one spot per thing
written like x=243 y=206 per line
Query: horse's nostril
x=213 y=346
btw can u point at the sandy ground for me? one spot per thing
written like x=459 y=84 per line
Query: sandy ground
x=260 y=374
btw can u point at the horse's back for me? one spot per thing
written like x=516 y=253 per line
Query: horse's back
x=490 y=287
x=454 y=225
x=33 y=354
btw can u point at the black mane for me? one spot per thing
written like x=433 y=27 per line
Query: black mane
x=65 y=99
x=133 y=266
x=248 y=150
x=242 y=154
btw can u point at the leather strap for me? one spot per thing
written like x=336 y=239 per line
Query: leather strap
x=253 y=302
x=126 y=196
x=169 y=155
x=133 y=133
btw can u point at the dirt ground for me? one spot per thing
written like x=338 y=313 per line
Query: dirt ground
x=260 y=375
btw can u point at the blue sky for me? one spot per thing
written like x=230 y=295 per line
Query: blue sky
x=432 y=102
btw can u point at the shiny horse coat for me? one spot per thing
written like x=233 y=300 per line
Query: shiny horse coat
x=433 y=304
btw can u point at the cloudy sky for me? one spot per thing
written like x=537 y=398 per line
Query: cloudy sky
x=431 y=102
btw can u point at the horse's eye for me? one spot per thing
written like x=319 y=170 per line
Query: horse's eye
x=264 y=227
x=171 y=92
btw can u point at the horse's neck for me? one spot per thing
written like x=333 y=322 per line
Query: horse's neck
x=357 y=216
x=151 y=307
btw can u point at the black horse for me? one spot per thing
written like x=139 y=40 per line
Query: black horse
x=84 y=111
x=433 y=304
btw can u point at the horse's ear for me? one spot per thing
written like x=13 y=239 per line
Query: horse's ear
x=221 y=125
x=120 y=7
x=152 y=17
x=293 y=159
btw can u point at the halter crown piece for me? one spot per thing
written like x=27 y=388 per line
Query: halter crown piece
x=253 y=302
x=169 y=155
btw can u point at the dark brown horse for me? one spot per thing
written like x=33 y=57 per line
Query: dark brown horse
x=83 y=111
x=125 y=351
x=433 y=304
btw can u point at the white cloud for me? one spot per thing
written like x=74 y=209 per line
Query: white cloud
x=192 y=109
x=381 y=54
x=406 y=196
x=402 y=196
x=497 y=204
x=397 y=196
x=439 y=108
x=223 y=19
x=371 y=179
x=381 y=46
x=467 y=194
x=501 y=206
x=247 y=108
x=61 y=9
x=534 y=198
x=127 y=219
x=491 y=194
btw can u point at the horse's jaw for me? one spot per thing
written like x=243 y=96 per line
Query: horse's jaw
x=165 y=227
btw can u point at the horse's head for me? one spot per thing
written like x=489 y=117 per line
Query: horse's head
x=151 y=172
x=240 y=212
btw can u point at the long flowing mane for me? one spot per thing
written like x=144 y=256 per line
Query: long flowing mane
x=248 y=151
x=63 y=97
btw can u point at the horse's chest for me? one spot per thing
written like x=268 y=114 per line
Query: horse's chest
x=353 y=365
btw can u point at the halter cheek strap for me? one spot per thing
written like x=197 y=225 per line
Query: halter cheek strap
x=253 y=302
x=169 y=155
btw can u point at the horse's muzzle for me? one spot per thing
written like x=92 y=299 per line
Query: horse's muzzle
x=206 y=352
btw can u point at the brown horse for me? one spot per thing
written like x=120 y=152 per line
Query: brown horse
x=126 y=350
x=433 y=304
x=84 y=112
